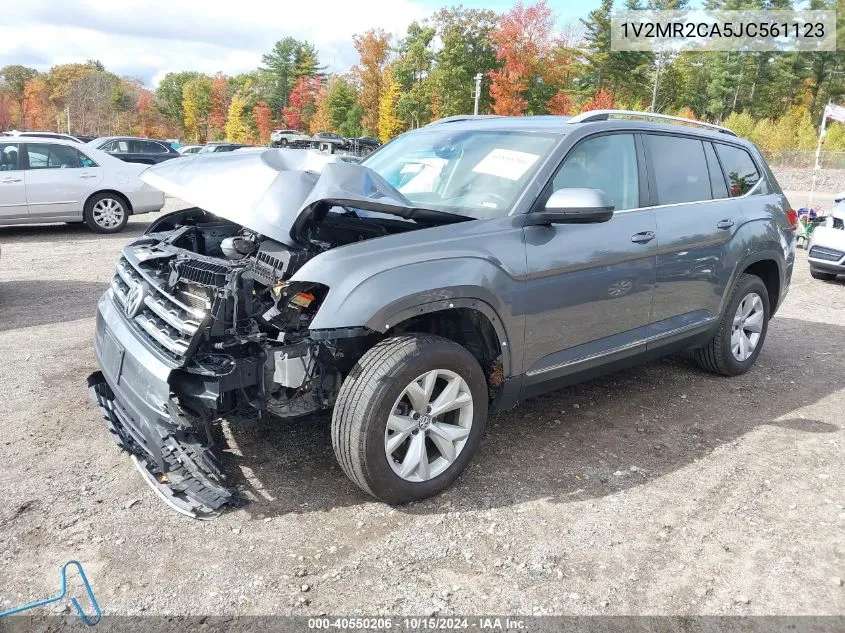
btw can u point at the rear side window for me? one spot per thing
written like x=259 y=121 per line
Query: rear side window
x=739 y=168
x=9 y=157
x=680 y=169
x=151 y=147
x=717 y=179
x=606 y=162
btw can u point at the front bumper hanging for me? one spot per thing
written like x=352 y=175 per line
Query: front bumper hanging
x=177 y=460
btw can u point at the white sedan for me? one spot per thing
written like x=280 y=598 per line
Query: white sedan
x=52 y=180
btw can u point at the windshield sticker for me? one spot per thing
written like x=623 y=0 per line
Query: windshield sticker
x=506 y=163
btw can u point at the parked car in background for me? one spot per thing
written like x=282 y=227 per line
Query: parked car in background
x=364 y=144
x=187 y=150
x=84 y=138
x=52 y=180
x=135 y=150
x=289 y=138
x=826 y=252
x=466 y=266
x=331 y=138
x=56 y=135
x=222 y=146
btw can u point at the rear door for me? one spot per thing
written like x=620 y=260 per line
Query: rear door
x=12 y=188
x=58 y=180
x=589 y=288
x=696 y=219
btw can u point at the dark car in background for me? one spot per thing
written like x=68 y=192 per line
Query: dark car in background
x=146 y=151
x=331 y=138
x=364 y=144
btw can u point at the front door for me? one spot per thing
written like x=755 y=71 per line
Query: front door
x=58 y=180
x=589 y=287
x=12 y=190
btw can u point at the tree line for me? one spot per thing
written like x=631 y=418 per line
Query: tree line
x=530 y=64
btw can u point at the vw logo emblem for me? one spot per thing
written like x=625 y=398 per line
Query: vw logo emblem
x=135 y=300
x=424 y=422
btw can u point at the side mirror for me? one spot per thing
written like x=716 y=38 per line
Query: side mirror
x=573 y=206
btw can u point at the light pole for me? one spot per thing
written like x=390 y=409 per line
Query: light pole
x=477 y=92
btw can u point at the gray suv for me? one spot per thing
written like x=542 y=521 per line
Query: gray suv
x=459 y=269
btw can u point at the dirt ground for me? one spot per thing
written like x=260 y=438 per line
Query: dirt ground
x=658 y=490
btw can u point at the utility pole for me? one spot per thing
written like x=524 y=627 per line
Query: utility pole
x=67 y=111
x=477 y=92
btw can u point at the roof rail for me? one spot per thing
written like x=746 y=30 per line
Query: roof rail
x=463 y=117
x=604 y=115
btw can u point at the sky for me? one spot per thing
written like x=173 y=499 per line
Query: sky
x=148 y=38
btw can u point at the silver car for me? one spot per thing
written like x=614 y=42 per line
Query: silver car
x=827 y=246
x=53 y=180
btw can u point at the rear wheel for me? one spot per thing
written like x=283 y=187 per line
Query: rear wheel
x=409 y=417
x=817 y=274
x=106 y=213
x=741 y=332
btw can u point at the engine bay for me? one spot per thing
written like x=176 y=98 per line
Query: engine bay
x=252 y=352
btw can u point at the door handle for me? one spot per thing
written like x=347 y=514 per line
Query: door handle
x=88 y=176
x=642 y=238
x=724 y=224
x=11 y=180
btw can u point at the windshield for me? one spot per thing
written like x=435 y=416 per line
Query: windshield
x=475 y=173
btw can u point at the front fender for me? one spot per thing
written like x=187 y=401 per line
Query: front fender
x=380 y=301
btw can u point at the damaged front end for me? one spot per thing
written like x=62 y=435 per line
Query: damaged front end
x=202 y=323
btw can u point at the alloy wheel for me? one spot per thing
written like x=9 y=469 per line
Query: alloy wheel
x=108 y=213
x=747 y=326
x=429 y=425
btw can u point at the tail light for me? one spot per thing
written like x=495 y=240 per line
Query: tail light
x=792 y=216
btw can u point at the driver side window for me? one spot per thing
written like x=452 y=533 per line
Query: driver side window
x=605 y=162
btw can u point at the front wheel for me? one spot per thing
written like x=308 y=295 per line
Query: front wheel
x=106 y=213
x=409 y=417
x=741 y=332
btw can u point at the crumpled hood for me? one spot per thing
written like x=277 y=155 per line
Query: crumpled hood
x=275 y=192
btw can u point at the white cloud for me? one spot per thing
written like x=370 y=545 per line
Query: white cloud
x=147 y=38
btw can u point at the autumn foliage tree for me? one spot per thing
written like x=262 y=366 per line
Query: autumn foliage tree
x=37 y=104
x=144 y=105
x=522 y=41
x=604 y=99
x=262 y=116
x=373 y=49
x=389 y=123
x=322 y=119
x=237 y=129
x=298 y=114
x=219 y=106
x=560 y=103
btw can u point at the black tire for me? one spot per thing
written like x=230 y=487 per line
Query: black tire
x=716 y=356
x=283 y=142
x=817 y=274
x=367 y=397
x=89 y=213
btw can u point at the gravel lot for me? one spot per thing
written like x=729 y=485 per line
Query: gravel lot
x=658 y=490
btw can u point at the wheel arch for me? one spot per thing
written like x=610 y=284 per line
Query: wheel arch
x=114 y=192
x=468 y=321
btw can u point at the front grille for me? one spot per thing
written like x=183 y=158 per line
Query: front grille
x=827 y=254
x=165 y=322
